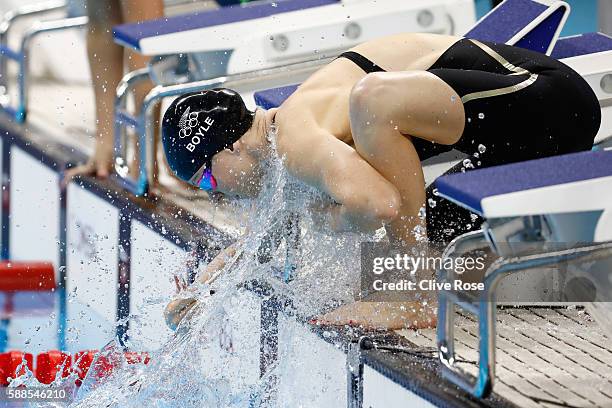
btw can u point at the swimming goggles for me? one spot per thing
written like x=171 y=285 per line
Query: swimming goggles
x=204 y=178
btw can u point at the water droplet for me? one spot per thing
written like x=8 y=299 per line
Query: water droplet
x=419 y=232
x=422 y=213
x=482 y=148
x=431 y=202
x=481 y=115
x=467 y=163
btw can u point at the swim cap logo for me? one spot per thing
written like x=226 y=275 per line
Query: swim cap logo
x=195 y=139
x=188 y=121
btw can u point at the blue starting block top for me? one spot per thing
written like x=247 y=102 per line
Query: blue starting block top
x=582 y=44
x=273 y=98
x=131 y=34
x=559 y=184
x=539 y=24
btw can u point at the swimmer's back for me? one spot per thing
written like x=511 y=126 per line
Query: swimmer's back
x=322 y=100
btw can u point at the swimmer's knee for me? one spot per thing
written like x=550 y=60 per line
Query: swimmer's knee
x=368 y=90
x=386 y=203
x=390 y=209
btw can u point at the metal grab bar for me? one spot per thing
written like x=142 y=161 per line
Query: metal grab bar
x=21 y=56
x=242 y=82
x=8 y=20
x=37 y=29
x=484 y=307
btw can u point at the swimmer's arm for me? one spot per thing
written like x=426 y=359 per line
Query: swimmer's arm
x=365 y=199
x=178 y=308
x=216 y=265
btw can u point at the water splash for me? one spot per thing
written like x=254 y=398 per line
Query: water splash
x=207 y=362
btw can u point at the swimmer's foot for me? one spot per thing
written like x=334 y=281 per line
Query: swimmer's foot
x=382 y=315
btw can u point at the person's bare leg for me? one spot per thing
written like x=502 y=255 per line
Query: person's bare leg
x=386 y=108
x=136 y=11
x=106 y=65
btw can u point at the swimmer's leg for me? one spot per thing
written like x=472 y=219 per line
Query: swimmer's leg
x=386 y=110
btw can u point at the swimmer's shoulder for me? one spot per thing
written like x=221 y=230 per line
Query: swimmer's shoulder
x=290 y=118
x=297 y=126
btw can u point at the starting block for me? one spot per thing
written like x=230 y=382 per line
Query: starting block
x=529 y=208
x=530 y=24
x=591 y=56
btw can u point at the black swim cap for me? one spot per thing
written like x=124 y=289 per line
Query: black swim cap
x=199 y=125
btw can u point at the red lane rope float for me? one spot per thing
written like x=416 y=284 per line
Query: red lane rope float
x=136 y=358
x=49 y=363
x=24 y=276
x=82 y=362
x=9 y=363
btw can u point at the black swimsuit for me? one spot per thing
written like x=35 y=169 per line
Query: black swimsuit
x=519 y=105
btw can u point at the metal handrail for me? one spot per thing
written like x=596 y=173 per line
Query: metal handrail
x=484 y=307
x=29 y=10
x=8 y=20
x=21 y=56
x=37 y=29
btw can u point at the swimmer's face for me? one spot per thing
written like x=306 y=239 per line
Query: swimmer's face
x=238 y=172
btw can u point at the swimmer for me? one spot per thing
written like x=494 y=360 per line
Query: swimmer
x=359 y=128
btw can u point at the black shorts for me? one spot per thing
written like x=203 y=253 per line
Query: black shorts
x=519 y=105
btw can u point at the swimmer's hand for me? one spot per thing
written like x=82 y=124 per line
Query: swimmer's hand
x=99 y=165
x=215 y=267
x=178 y=308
